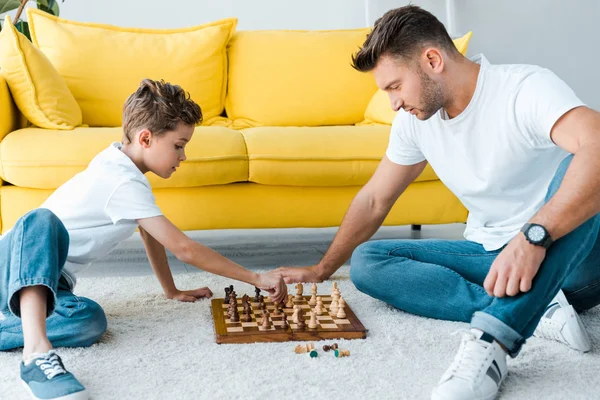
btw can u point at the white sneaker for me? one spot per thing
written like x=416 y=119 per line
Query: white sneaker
x=477 y=371
x=561 y=322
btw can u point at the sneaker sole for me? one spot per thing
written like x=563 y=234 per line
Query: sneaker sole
x=83 y=395
x=582 y=341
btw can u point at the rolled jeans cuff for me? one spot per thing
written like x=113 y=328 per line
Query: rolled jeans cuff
x=503 y=333
x=14 y=303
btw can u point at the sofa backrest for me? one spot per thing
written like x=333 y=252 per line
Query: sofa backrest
x=296 y=78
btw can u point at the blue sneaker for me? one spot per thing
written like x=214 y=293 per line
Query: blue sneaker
x=46 y=378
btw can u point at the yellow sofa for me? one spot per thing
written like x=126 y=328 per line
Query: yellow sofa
x=290 y=146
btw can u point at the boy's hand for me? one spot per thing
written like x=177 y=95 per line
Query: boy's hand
x=300 y=274
x=190 y=295
x=273 y=283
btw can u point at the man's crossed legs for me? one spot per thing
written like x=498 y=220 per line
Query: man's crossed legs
x=444 y=279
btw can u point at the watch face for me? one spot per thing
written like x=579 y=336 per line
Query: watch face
x=536 y=233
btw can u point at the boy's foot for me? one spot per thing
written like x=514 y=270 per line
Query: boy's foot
x=45 y=377
x=477 y=371
x=560 y=322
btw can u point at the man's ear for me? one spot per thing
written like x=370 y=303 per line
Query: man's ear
x=432 y=60
x=144 y=138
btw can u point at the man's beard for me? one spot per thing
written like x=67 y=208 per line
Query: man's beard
x=432 y=96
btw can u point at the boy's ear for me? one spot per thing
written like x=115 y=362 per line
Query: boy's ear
x=144 y=138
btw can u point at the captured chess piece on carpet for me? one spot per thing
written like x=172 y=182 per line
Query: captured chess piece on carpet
x=314 y=317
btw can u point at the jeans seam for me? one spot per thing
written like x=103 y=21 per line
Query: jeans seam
x=412 y=248
x=593 y=285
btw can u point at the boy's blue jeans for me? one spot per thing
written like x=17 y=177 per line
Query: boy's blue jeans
x=33 y=253
x=444 y=279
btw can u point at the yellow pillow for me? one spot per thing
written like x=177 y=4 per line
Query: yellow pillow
x=103 y=64
x=380 y=111
x=38 y=90
x=296 y=78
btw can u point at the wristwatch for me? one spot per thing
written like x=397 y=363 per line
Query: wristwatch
x=537 y=235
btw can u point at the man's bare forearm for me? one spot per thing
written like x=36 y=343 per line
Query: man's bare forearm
x=578 y=197
x=361 y=221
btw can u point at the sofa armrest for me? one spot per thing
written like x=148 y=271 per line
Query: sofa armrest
x=10 y=117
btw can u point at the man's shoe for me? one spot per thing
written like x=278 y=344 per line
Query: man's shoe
x=477 y=371
x=560 y=322
x=45 y=378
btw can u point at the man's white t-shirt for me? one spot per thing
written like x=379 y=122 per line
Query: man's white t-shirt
x=497 y=156
x=99 y=207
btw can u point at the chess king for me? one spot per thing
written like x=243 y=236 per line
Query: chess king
x=520 y=150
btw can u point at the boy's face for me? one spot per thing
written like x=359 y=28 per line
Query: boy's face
x=165 y=153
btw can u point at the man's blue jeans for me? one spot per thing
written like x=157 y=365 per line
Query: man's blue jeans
x=443 y=279
x=33 y=253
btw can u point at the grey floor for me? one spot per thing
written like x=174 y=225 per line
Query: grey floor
x=256 y=248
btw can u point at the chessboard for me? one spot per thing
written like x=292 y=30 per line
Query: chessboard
x=250 y=329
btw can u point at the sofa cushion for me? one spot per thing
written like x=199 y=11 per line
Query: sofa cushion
x=296 y=78
x=38 y=90
x=317 y=156
x=380 y=111
x=103 y=65
x=45 y=159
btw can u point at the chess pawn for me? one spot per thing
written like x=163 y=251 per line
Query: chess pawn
x=333 y=308
x=342 y=353
x=266 y=322
x=289 y=302
x=226 y=300
x=313 y=299
x=295 y=314
x=284 y=321
x=256 y=294
x=299 y=289
x=334 y=288
x=248 y=315
x=277 y=311
x=235 y=316
x=312 y=324
x=314 y=288
x=319 y=307
x=341 y=313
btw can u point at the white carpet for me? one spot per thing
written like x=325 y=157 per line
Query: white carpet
x=161 y=349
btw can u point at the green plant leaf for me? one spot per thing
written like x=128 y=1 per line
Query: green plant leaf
x=49 y=6
x=23 y=27
x=8 y=5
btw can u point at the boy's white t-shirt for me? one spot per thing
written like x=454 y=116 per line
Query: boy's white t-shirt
x=100 y=205
x=497 y=156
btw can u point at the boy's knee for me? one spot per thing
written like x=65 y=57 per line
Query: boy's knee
x=91 y=323
x=44 y=219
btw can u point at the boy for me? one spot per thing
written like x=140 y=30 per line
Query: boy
x=84 y=220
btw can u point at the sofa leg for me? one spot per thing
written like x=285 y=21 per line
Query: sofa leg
x=415 y=227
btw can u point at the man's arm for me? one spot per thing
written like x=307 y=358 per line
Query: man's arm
x=364 y=216
x=202 y=257
x=576 y=200
x=160 y=265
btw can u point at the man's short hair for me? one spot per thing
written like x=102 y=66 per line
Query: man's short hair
x=402 y=33
x=159 y=107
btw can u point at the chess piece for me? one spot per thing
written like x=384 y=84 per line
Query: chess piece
x=314 y=288
x=333 y=307
x=334 y=288
x=295 y=314
x=289 y=303
x=284 y=321
x=341 y=313
x=248 y=315
x=299 y=289
x=326 y=347
x=334 y=346
x=304 y=348
x=235 y=317
x=301 y=323
x=313 y=299
x=266 y=321
x=257 y=294
x=312 y=324
x=342 y=353
x=261 y=299
x=245 y=299
x=313 y=354
x=319 y=307
x=227 y=291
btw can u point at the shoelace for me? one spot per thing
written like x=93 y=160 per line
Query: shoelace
x=50 y=365
x=470 y=358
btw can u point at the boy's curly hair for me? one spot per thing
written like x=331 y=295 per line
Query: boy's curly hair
x=158 y=106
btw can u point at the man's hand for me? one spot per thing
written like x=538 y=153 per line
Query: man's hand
x=273 y=283
x=514 y=269
x=300 y=274
x=190 y=295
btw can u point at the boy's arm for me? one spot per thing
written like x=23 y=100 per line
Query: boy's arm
x=202 y=257
x=160 y=265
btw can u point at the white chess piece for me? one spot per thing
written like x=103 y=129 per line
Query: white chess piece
x=319 y=306
x=341 y=313
x=295 y=314
x=312 y=324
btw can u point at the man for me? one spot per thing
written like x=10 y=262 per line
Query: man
x=520 y=150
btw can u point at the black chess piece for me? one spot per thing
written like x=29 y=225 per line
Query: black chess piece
x=256 y=296
x=227 y=291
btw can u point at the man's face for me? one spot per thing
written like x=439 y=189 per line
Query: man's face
x=168 y=151
x=409 y=87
